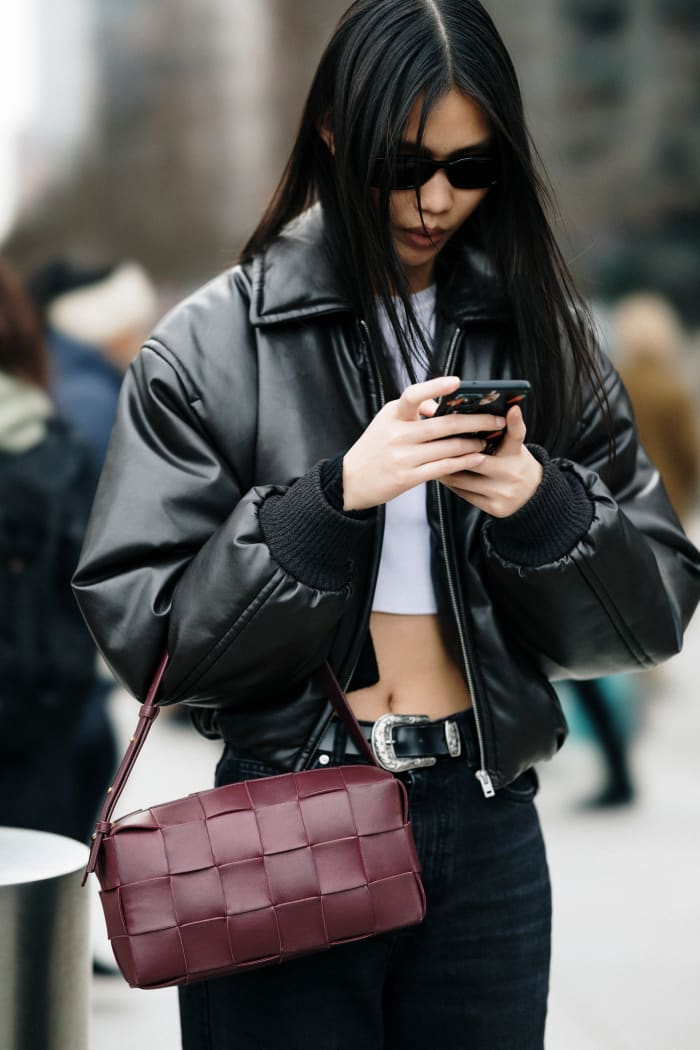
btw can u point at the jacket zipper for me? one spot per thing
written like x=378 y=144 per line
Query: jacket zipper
x=482 y=774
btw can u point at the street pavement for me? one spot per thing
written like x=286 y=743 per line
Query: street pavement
x=626 y=938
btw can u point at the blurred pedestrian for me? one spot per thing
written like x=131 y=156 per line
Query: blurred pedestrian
x=277 y=452
x=649 y=340
x=600 y=702
x=47 y=658
x=95 y=320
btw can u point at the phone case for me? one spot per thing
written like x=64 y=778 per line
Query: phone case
x=493 y=396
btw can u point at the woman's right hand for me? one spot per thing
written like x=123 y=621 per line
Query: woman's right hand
x=399 y=449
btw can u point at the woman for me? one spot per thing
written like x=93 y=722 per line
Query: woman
x=277 y=494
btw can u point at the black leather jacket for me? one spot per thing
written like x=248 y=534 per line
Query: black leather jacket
x=242 y=393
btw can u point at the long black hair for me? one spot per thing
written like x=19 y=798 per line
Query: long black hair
x=382 y=58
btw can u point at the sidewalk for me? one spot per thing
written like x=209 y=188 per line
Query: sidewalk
x=626 y=947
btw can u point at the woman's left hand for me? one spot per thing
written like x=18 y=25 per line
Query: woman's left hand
x=502 y=483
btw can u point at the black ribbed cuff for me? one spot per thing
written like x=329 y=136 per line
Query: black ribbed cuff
x=332 y=485
x=308 y=537
x=550 y=524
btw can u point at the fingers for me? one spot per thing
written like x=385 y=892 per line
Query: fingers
x=482 y=503
x=448 y=449
x=514 y=437
x=428 y=408
x=456 y=424
x=499 y=485
x=432 y=470
x=487 y=493
x=462 y=451
x=481 y=491
x=471 y=482
x=413 y=396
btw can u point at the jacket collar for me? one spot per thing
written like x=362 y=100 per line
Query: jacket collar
x=293 y=279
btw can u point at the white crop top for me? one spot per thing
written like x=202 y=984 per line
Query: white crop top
x=404 y=583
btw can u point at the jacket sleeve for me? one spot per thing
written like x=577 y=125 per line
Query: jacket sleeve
x=243 y=586
x=619 y=595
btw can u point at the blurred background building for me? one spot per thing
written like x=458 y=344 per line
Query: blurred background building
x=614 y=99
x=159 y=130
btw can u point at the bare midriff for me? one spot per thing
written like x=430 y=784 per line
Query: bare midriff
x=417 y=675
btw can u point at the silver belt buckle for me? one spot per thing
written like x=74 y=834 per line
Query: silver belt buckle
x=454 y=740
x=383 y=743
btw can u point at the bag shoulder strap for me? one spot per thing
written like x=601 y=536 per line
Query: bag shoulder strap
x=147 y=716
x=344 y=712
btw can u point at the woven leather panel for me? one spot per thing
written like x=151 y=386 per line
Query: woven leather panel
x=256 y=872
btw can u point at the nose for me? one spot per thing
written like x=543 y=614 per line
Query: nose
x=436 y=193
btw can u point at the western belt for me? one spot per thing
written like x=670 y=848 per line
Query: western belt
x=397 y=740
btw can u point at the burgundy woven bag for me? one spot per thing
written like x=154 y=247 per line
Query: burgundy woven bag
x=256 y=872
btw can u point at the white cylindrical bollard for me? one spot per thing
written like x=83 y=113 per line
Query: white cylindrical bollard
x=45 y=959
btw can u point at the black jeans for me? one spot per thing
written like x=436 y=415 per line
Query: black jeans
x=473 y=976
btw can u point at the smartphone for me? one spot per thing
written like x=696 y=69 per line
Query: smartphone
x=494 y=396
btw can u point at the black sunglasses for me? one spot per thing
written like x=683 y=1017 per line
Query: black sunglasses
x=409 y=172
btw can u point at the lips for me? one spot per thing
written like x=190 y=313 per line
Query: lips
x=418 y=236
